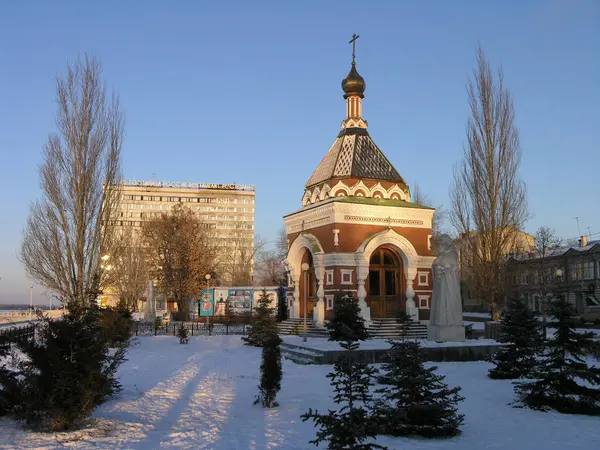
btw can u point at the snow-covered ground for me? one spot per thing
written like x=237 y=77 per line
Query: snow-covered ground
x=199 y=396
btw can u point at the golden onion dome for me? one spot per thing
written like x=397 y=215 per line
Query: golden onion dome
x=353 y=83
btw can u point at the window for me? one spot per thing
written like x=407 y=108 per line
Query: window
x=423 y=301
x=329 y=277
x=346 y=276
x=423 y=279
x=374 y=285
x=390 y=282
x=329 y=301
x=582 y=270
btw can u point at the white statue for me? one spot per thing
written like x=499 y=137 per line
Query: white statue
x=446 y=321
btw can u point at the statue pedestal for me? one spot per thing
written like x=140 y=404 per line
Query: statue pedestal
x=319 y=314
x=446 y=333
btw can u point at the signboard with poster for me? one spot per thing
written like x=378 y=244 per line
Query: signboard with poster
x=272 y=293
x=240 y=300
x=220 y=301
x=206 y=303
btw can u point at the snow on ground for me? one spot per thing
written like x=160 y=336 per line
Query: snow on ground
x=199 y=396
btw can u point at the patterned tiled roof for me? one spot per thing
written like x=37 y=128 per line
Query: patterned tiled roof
x=354 y=154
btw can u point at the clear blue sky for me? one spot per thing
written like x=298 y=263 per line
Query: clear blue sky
x=249 y=92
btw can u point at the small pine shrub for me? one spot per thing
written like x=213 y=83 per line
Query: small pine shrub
x=347 y=324
x=562 y=379
x=282 y=306
x=157 y=324
x=271 y=373
x=264 y=323
x=522 y=331
x=414 y=399
x=182 y=334
x=353 y=423
x=65 y=373
x=117 y=324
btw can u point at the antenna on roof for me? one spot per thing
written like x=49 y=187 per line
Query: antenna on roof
x=578 y=227
x=589 y=231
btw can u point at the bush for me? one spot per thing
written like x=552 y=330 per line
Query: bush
x=117 y=324
x=157 y=324
x=562 y=379
x=415 y=400
x=347 y=324
x=182 y=334
x=264 y=324
x=521 y=329
x=352 y=423
x=270 y=372
x=65 y=373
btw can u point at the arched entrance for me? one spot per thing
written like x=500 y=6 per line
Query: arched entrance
x=386 y=283
x=311 y=285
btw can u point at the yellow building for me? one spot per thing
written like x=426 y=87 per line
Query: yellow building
x=227 y=209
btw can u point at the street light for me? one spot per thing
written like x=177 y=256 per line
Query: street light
x=305 y=268
x=207 y=277
x=30 y=300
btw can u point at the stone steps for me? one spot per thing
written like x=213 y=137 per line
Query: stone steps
x=389 y=328
x=301 y=355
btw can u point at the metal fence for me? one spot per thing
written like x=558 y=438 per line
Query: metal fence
x=14 y=335
x=194 y=329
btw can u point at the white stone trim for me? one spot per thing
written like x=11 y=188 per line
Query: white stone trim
x=329 y=277
x=420 y=275
x=328 y=212
x=346 y=272
x=389 y=236
x=340 y=259
x=423 y=299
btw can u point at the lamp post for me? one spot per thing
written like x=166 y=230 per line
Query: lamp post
x=207 y=277
x=305 y=268
x=30 y=301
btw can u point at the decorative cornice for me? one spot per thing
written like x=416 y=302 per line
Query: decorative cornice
x=329 y=212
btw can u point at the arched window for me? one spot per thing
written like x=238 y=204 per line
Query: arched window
x=385 y=284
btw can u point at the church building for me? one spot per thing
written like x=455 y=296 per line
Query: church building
x=357 y=230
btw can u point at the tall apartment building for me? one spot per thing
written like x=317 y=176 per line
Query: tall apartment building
x=228 y=209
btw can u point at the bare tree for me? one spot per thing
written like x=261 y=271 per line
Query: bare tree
x=127 y=275
x=181 y=251
x=488 y=200
x=64 y=235
x=546 y=244
x=281 y=244
x=269 y=270
x=236 y=256
x=419 y=197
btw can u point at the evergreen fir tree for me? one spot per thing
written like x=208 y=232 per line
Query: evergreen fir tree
x=66 y=372
x=270 y=372
x=562 y=380
x=182 y=334
x=6 y=377
x=263 y=322
x=347 y=324
x=521 y=329
x=403 y=320
x=282 y=307
x=352 y=424
x=415 y=400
